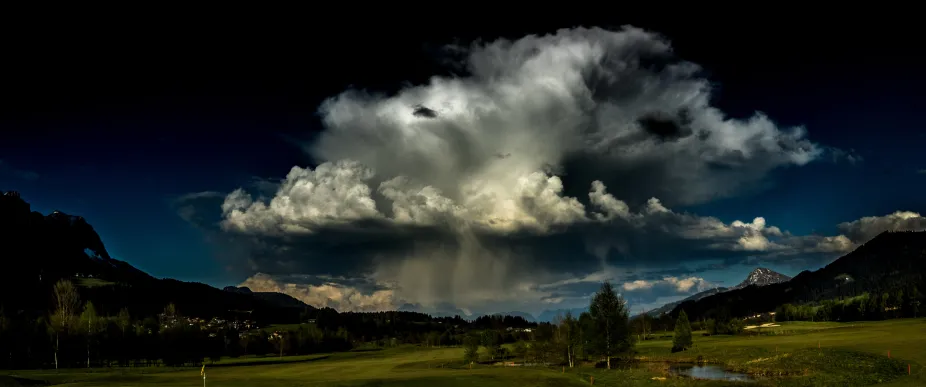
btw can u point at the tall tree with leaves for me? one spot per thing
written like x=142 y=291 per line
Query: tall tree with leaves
x=682 y=338
x=66 y=303
x=570 y=335
x=492 y=341
x=91 y=325
x=170 y=315
x=610 y=323
x=915 y=301
x=470 y=349
x=124 y=321
x=5 y=328
x=586 y=334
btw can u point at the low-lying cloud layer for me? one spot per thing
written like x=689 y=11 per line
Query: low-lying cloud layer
x=551 y=166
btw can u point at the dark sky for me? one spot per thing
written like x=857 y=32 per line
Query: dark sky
x=116 y=121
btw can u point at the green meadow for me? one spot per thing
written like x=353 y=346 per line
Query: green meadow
x=792 y=354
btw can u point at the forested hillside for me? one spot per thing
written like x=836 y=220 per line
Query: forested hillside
x=892 y=263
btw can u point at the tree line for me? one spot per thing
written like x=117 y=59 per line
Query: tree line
x=598 y=335
x=893 y=263
x=900 y=303
x=74 y=333
x=868 y=306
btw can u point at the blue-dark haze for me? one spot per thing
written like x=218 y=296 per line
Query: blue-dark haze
x=120 y=144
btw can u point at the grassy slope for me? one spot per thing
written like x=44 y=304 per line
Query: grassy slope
x=906 y=339
x=851 y=354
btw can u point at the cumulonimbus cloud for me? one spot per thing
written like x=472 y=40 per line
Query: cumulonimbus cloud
x=554 y=158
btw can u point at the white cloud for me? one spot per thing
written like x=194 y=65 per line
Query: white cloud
x=669 y=286
x=332 y=193
x=494 y=142
x=615 y=99
x=500 y=193
x=329 y=293
x=475 y=271
x=861 y=230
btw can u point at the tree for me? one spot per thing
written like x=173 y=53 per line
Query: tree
x=643 y=325
x=90 y=324
x=915 y=301
x=470 y=349
x=123 y=320
x=244 y=340
x=492 y=342
x=610 y=321
x=66 y=304
x=586 y=334
x=682 y=338
x=520 y=350
x=170 y=315
x=433 y=339
x=5 y=327
x=884 y=304
x=571 y=337
x=280 y=342
x=898 y=303
x=873 y=307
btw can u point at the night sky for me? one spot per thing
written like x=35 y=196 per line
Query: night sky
x=147 y=130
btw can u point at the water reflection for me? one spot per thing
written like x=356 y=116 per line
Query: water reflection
x=711 y=372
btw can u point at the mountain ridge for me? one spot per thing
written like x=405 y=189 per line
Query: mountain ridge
x=759 y=276
x=39 y=250
x=892 y=260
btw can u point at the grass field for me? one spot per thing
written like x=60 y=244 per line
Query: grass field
x=848 y=355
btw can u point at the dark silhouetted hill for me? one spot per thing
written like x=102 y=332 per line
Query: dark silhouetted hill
x=37 y=250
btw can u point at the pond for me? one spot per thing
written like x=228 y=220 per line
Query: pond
x=711 y=372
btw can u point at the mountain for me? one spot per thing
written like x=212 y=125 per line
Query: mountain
x=56 y=245
x=236 y=289
x=762 y=277
x=278 y=299
x=281 y=300
x=759 y=277
x=37 y=250
x=889 y=262
x=697 y=296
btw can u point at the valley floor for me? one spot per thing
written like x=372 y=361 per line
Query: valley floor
x=803 y=354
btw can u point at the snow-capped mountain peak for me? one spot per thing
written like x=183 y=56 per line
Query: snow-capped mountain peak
x=761 y=277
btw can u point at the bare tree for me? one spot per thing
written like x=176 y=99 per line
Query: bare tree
x=66 y=303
